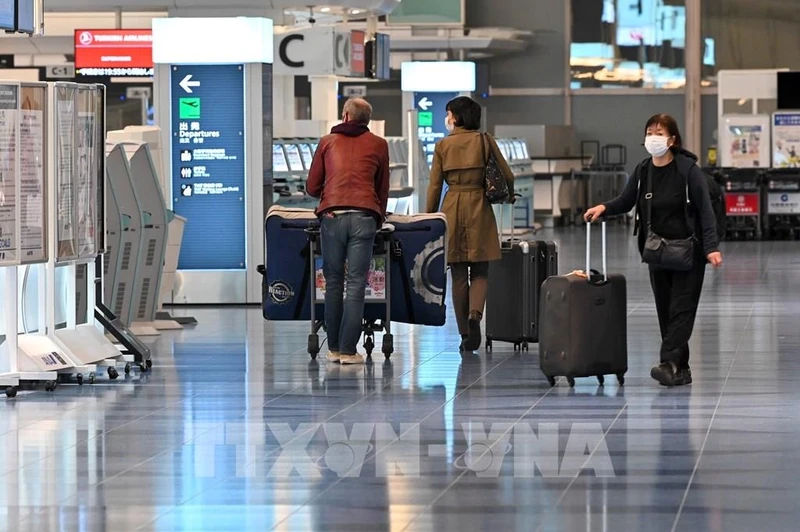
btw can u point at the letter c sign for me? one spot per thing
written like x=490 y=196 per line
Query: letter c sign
x=282 y=51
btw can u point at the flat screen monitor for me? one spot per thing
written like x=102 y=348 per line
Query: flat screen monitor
x=7 y=15
x=279 y=159
x=505 y=147
x=789 y=91
x=293 y=154
x=314 y=147
x=25 y=16
x=308 y=155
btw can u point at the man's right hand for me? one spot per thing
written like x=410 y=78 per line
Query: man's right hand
x=594 y=213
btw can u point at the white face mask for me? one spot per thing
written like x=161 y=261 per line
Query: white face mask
x=450 y=126
x=656 y=145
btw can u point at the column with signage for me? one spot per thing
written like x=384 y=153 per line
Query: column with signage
x=427 y=87
x=214 y=107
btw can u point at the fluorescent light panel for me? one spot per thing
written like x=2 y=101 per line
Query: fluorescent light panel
x=438 y=76
x=212 y=41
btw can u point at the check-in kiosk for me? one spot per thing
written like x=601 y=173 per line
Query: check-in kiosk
x=124 y=248
x=150 y=260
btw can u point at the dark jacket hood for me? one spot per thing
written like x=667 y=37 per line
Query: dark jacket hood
x=350 y=129
x=685 y=160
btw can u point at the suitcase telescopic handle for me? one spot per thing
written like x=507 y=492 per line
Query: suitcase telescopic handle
x=589 y=250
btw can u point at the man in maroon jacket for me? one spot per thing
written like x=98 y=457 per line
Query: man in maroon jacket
x=350 y=175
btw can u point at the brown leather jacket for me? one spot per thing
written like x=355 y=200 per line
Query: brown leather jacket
x=350 y=170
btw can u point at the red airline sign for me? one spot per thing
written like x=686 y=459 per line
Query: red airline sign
x=742 y=204
x=113 y=49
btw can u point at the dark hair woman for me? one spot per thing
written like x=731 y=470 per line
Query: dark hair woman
x=672 y=201
x=459 y=160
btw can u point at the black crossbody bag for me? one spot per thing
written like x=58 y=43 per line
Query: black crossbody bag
x=665 y=253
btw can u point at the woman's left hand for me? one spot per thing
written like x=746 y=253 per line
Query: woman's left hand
x=715 y=259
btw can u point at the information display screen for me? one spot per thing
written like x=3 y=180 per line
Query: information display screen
x=279 y=163
x=25 y=16
x=308 y=155
x=7 y=14
x=293 y=154
x=208 y=166
x=114 y=52
x=523 y=150
x=314 y=147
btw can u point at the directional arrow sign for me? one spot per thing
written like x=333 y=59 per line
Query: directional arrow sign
x=187 y=83
x=425 y=104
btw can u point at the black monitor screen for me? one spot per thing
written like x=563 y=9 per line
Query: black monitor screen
x=25 y=16
x=789 y=90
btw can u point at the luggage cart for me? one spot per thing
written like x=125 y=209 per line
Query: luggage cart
x=782 y=203
x=742 y=202
x=382 y=256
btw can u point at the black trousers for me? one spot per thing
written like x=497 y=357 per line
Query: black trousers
x=677 y=295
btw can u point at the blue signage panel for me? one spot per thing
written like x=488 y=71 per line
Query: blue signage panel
x=432 y=110
x=208 y=166
x=7 y=14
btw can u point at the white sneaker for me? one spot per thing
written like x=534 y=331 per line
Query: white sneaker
x=333 y=356
x=351 y=359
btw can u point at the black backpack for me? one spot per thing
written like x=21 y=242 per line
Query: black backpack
x=717 y=194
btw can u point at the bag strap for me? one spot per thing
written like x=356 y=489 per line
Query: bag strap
x=484 y=159
x=649 y=199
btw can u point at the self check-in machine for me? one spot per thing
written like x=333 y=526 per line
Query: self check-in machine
x=213 y=100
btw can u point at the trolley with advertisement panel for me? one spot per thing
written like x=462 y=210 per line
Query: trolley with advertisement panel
x=782 y=203
x=742 y=202
x=406 y=284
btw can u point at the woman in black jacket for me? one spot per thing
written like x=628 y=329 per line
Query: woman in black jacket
x=674 y=175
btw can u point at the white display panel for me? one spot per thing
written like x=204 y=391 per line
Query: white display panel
x=438 y=76
x=308 y=155
x=9 y=167
x=786 y=140
x=293 y=155
x=212 y=41
x=85 y=176
x=745 y=142
x=33 y=210
x=66 y=248
x=279 y=163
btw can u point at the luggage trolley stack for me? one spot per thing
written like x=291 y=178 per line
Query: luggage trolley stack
x=742 y=202
x=407 y=281
x=782 y=203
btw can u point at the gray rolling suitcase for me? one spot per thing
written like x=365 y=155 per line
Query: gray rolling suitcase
x=584 y=329
x=512 y=305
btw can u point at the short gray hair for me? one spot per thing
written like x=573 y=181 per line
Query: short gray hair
x=359 y=110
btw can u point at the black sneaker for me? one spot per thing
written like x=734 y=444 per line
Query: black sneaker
x=664 y=373
x=683 y=377
x=473 y=340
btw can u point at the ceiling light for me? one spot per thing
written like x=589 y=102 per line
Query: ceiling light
x=325 y=10
x=356 y=11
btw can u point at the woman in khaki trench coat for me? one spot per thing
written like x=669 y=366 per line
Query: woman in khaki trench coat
x=472 y=239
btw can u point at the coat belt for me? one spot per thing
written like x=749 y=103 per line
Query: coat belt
x=464 y=188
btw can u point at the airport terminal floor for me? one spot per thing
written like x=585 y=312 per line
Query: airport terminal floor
x=223 y=435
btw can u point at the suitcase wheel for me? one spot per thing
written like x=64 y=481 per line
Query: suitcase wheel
x=488 y=344
x=551 y=381
x=601 y=380
x=571 y=381
x=621 y=379
x=524 y=346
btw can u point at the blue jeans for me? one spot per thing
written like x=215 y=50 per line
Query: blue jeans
x=349 y=238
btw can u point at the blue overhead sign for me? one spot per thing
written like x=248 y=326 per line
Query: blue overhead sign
x=431 y=112
x=208 y=166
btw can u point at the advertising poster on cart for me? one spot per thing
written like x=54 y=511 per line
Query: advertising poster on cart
x=376 y=280
x=85 y=197
x=9 y=122
x=786 y=140
x=745 y=142
x=65 y=172
x=32 y=167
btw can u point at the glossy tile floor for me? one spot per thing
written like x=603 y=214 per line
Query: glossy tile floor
x=236 y=430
